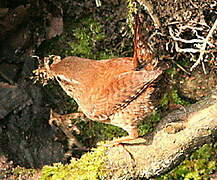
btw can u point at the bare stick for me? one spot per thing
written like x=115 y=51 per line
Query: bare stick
x=204 y=46
x=148 y=6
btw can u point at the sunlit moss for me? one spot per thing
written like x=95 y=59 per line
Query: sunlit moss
x=91 y=166
x=82 y=38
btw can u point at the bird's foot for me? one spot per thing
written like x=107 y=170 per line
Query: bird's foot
x=122 y=140
x=64 y=123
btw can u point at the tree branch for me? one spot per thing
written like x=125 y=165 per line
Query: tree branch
x=177 y=135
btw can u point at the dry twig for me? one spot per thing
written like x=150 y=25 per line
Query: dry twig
x=200 y=44
x=203 y=47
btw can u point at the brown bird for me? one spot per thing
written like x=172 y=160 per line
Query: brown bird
x=109 y=91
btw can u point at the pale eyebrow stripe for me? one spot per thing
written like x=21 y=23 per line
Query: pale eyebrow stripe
x=62 y=77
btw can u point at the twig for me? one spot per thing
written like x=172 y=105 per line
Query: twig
x=190 y=41
x=148 y=6
x=200 y=44
x=203 y=67
x=203 y=47
x=183 y=69
x=98 y=3
x=187 y=50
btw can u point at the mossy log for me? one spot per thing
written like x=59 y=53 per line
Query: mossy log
x=177 y=135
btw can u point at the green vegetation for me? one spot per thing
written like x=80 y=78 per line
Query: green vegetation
x=83 y=41
x=91 y=166
x=198 y=166
x=149 y=123
x=132 y=9
x=93 y=132
x=86 y=39
x=172 y=97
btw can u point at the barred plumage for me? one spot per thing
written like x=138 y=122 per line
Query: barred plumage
x=110 y=91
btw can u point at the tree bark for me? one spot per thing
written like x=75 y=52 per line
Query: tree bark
x=177 y=135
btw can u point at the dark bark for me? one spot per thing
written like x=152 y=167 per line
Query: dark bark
x=12 y=98
x=25 y=135
x=26 y=138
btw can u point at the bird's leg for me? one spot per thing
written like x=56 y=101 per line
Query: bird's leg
x=133 y=134
x=63 y=122
x=74 y=115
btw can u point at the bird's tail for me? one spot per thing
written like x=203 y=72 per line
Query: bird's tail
x=143 y=55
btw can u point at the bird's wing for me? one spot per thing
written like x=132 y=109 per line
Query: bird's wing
x=120 y=92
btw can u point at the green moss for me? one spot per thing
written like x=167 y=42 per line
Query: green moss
x=177 y=99
x=83 y=41
x=198 y=166
x=86 y=37
x=165 y=100
x=148 y=124
x=173 y=97
x=93 y=132
x=91 y=166
x=172 y=72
